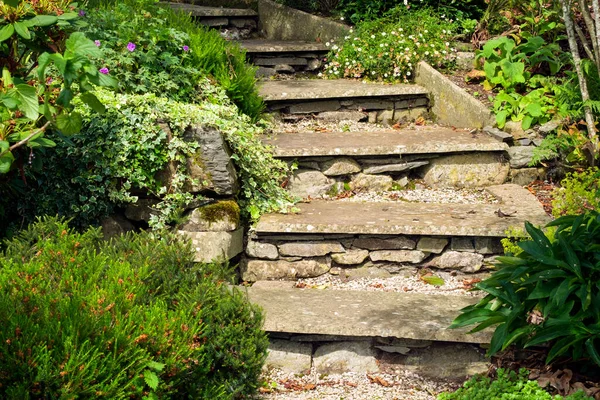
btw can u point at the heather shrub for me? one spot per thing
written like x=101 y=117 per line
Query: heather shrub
x=128 y=319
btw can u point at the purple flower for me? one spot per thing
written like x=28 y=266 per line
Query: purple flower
x=186 y=48
x=97 y=43
x=82 y=13
x=131 y=46
x=104 y=71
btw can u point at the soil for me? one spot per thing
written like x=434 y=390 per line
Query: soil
x=475 y=89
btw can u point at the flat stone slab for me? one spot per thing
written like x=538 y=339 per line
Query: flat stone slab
x=362 y=313
x=314 y=89
x=402 y=218
x=421 y=140
x=212 y=12
x=281 y=46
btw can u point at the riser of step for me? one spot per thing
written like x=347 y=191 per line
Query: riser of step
x=290 y=257
x=244 y=21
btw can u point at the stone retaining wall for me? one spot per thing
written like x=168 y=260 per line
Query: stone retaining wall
x=287 y=63
x=317 y=176
x=289 y=257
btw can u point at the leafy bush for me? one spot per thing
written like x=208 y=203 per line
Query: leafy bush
x=389 y=49
x=549 y=293
x=160 y=34
x=121 y=152
x=508 y=385
x=580 y=192
x=365 y=10
x=131 y=318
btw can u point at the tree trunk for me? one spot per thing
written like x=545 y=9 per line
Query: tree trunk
x=585 y=95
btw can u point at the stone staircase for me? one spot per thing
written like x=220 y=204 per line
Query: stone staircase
x=337 y=236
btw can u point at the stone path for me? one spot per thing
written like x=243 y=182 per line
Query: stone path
x=366 y=314
x=335 y=217
x=419 y=140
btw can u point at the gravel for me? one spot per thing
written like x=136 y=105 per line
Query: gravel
x=400 y=385
x=310 y=124
x=438 y=196
x=453 y=285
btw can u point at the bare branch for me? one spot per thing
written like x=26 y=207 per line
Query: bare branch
x=584 y=42
x=27 y=139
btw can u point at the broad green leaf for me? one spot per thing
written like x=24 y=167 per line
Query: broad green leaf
x=498 y=339
x=472 y=317
x=43 y=20
x=513 y=72
x=6 y=77
x=561 y=347
x=534 y=109
x=44 y=142
x=67 y=16
x=155 y=366
x=103 y=80
x=592 y=351
x=490 y=321
x=29 y=104
x=501 y=118
x=43 y=61
x=91 y=100
x=12 y=3
x=6 y=32
x=516 y=334
x=69 y=124
x=569 y=253
x=553 y=332
x=78 y=44
x=65 y=96
x=433 y=280
x=21 y=29
x=151 y=379
x=7 y=159
x=527 y=122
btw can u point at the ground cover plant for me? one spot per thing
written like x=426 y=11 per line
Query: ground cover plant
x=153 y=48
x=508 y=385
x=547 y=294
x=388 y=49
x=131 y=318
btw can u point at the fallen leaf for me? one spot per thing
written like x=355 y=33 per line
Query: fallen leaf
x=468 y=283
x=432 y=280
x=420 y=121
x=378 y=380
x=310 y=386
x=264 y=390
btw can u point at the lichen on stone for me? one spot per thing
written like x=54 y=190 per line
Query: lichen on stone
x=221 y=210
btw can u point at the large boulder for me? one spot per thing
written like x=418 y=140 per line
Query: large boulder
x=467 y=170
x=305 y=183
x=222 y=216
x=215 y=246
x=261 y=270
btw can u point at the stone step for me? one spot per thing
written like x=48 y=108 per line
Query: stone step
x=417 y=140
x=363 y=314
x=383 y=102
x=243 y=21
x=343 y=237
x=284 y=57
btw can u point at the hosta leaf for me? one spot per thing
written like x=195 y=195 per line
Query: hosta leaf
x=6 y=32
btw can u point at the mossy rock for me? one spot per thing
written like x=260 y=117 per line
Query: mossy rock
x=221 y=216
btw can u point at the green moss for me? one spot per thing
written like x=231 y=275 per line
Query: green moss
x=221 y=210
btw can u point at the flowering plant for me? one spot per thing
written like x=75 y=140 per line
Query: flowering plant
x=388 y=49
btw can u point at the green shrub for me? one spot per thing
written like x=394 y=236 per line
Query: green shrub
x=160 y=33
x=120 y=152
x=130 y=318
x=389 y=49
x=580 y=191
x=508 y=385
x=548 y=294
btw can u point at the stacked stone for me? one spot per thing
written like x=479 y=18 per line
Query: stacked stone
x=292 y=63
x=290 y=257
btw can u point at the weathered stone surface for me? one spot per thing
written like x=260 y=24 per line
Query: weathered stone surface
x=214 y=22
x=525 y=141
x=397 y=243
x=306 y=183
x=462 y=244
x=210 y=168
x=203 y=11
x=446 y=361
x=466 y=170
x=115 y=225
x=385 y=117
x=315 y=107
x=395 y=168
x=350 y=257
x=515 y=129
x=465 y=60
x=372 y=314
x=549 y=127
x=432 y=245
x=313 y=89
x=288 y=356
x=222 y=216
x=270 y=61
x=310 y=249
x=498 y=134
x=488 y=246
x=353 y=274
x=215 y=246
x=400 y=218
x=400 y=256
x=402 y=182
x=414 y=103
x=467 y=262
x=284 y=23
x=524 y=176
x=243 y=23
x=421 y=140
x=314 y=64
x=141 y=210
x=335 y=116
x=520 y=156
x=452 y=105
x=340 y=357
x=376 y=183
x=264 y=72
x=278 y=47
x=262 y=270
x=340 y=166
x=284 y=69
x=262 y=250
